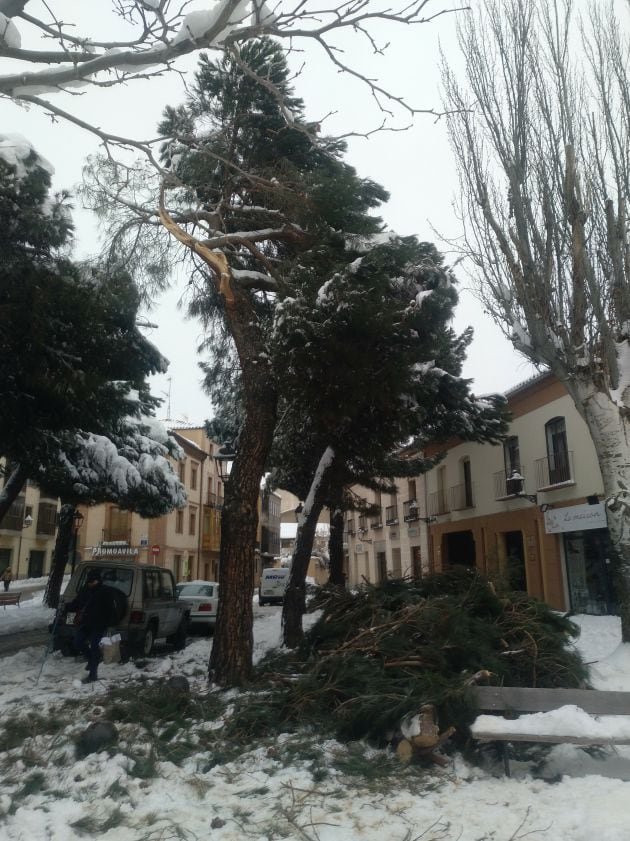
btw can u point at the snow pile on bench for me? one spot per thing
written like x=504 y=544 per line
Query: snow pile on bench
x=564 y=724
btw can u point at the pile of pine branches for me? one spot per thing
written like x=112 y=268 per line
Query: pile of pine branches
x=378 y=654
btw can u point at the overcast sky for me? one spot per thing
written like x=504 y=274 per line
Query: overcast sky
x=415 y=166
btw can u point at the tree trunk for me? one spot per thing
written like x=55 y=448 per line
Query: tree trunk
x=231 y=656
x=63 y=544
x=335 y=540
x=610 y=432
x=294 y=605
x=12 y=489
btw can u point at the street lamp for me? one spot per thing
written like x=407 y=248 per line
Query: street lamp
x=26 y=522
x=225 y=459
x=77 y=522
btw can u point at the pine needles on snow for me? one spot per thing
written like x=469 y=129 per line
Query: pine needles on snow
x=380 y=653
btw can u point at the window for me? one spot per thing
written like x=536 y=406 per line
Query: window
x=411 y=489
x=14 y=518
x=182 y=472
x=192 y=521
x=166 y=585
x=119 y=524
x=381 y=567
x=194 y=468
x=211 y=497
x=46 y=518
x=557 y=452
x=179 y=522
x=468 y=489
x=151 y=579
x=511 y=455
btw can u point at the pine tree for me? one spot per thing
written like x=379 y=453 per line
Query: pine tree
x=371 y=372
x=272 y=201
x=73 y=363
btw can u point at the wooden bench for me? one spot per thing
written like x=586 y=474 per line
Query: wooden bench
x=10 y=598
x=513 y=700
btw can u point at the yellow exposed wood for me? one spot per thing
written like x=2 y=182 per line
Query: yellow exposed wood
x=215 y=259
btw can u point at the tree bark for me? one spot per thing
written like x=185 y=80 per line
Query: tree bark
x=12 y=489
x=63 y=544
x=610 y=433
x=335 y=540
x=231 y=656
x=294 y=605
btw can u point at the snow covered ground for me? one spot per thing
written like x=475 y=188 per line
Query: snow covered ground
x=49 y=794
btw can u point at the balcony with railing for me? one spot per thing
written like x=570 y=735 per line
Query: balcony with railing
x=391 y=515
x=438 y=503
x=13 y=520
x=509 y=483
x=554 y=470
x=376 y=520
x=460 y=497
x=410 y=510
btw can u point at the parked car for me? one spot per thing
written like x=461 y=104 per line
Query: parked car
x=203 y=598
x=273 y=583
x=150 y=609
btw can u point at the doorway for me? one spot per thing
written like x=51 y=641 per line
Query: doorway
x=515 y=560
x=459 y=548
x=589 y=575
x=36 y=561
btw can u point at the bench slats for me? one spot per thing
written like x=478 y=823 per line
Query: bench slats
x=526 y=700
x=491 y=736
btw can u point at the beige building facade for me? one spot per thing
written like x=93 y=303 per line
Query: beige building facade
x=27 y=534
x=392 y=542
x=530 y=510
x=186 y=541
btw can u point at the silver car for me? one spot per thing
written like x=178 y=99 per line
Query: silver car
x=203 y=598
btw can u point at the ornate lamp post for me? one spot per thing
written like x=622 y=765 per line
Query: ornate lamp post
x=26 y=522
x=225 y=460
x=77 y=522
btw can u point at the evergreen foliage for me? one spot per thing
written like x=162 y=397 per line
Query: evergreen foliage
x=371 y=367
x=73 y=362
x=379 y=653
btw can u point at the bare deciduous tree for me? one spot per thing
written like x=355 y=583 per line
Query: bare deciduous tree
x=542 y=141
x=159 y=32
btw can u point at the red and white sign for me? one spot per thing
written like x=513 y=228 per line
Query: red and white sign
x=155 y=549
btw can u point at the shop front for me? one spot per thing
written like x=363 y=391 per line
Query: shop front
x=583 y=530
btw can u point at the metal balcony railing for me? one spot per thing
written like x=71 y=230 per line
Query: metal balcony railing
x=376 y=521
x=391 y=515
x=554 y=470
x=438 y=503
x=460 y=497
x=506 y=485
x=13 y=520
x=410 y=510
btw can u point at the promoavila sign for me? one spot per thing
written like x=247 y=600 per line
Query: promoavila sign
x=575 y=518
x=114 y=550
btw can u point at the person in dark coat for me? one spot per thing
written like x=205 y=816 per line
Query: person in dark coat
x=94 y=608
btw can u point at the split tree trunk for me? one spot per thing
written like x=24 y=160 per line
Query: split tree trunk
x=335 y=540
x=63 y=544
x=11 y=490
x=294 y=605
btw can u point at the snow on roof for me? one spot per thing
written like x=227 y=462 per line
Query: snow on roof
x=526 y=383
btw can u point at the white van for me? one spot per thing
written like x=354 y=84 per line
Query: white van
x=273 y=583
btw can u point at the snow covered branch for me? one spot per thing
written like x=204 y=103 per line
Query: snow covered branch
x=156 y=33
